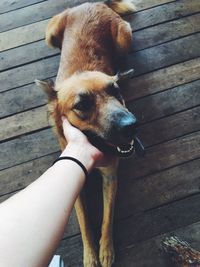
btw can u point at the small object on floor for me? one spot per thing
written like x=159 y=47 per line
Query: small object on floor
x=181 y=253
x=57 y=262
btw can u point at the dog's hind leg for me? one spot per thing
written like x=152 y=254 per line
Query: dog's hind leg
x=106 y=253
x=90 y=258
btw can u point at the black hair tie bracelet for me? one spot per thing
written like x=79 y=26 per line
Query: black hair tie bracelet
x=75 y=160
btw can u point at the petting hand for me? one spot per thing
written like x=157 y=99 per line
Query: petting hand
x=81 y=148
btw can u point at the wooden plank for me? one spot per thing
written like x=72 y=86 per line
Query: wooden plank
x=26 y=148
x=71 y=249
x=140 y=227
x=168 y=128
x=142 y=39
x=15 y=178
x=28 y=73
x=164 y=55
x=32 y=120
x=9 y=5
x=158 y=189
x=25 y=54
x=140 y=4
x=49 y=8
x=152 y=248
x=158 y=81
x=33 y=13
x=35 y=31
x=165 y=103
x=160 y=14
x=179 y=124
x=30 y=96
x=144 y=61
x=162 y=156
x=157 y=158
x=22 y=35
x=21 y=99
x=20 y=176
x=165 y=32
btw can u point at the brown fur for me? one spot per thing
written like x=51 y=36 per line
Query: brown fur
x=89 y=36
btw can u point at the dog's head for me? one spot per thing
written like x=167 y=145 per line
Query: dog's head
x=93 y=103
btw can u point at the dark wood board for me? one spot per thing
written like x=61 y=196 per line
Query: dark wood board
x=158 y=189
x=133 y=255
x=162 y=156
x=164 y=55
x=142 y=39
x=35 y=31
x=46 y=9
x=27 y=147
x=143 y=61
x=188 y=95
x=9 y=5
x=30 y=96
x=158 y=80
x=165 y=103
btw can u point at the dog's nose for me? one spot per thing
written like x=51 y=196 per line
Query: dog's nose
x=128 y=127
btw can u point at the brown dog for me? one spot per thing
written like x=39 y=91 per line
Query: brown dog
x=86 y=92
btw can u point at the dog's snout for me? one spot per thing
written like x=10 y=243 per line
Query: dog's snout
x=128 y=127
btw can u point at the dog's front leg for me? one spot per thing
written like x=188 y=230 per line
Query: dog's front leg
x=90 y=258
x=106 y=252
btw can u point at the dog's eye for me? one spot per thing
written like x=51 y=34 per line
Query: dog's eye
x=114 y=90
x=84 y=103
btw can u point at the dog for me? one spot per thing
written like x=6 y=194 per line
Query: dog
x=87 y=92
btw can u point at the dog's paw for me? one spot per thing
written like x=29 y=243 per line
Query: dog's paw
x=106 y=253
x=90 y=258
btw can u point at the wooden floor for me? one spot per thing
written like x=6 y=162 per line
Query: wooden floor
x=158 y=194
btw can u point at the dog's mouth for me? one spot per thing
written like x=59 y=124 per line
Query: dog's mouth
x=122 y=150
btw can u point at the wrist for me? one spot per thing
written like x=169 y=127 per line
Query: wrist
x=81 y=153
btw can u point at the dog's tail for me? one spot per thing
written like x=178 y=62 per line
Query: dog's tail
x=121 y=6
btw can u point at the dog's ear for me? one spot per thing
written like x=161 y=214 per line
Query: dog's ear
x=125 y=75
x=55 y=29
x=48 y=88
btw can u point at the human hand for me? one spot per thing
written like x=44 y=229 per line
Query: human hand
x=79 y=147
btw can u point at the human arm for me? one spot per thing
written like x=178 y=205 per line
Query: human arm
x=32 y=222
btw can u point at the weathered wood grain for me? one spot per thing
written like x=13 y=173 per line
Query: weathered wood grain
x=142 y=39
x=159 y=80
x=22 y=35
x=170 y=11
x=167 y=102
x=188 y=95
x=143 y=61
x=162 y=156
x=28 y=147
x=25 y=54
x=165 y=32
x=34 y=13
x=25 y=122
x=152 y=249
x=35 y=31
x=21 y=99
x=71 y=249
x=158 y=189
x=170 y=127
x=164 y=55
x=28 y=73
x=9 y=5
x=47 y=9
x=20 y=176
x=140 y=227
x=157 y=158
x=30 y=96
